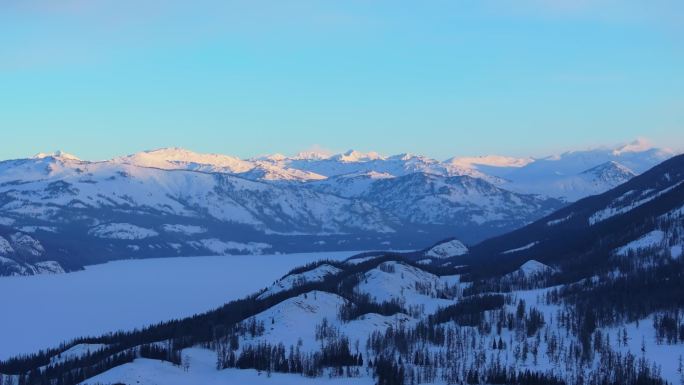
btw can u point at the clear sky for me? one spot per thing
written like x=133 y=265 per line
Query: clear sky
x=441 y=78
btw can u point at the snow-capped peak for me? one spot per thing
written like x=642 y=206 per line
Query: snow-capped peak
x=313 y=155
x=447 y=249
x=182 y=155
x=406 y=156
x=489 y=160
x=59 y=154
x=376 y=175
x=357 y=156
x=277 y=157
x=638 y=145
x=533 y=267
x=170 y=158
x=610 y=170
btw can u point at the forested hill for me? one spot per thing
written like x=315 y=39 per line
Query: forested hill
x=583 y=235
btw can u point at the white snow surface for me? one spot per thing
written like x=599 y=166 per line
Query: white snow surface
x=316 y=274
x=397 y=281
x=51 y=308
x=532 y=268
x=350 y=185
x=558 y=221
x=304 y=313
x=33 y=229
x=521 y=248
x=617 y=208
x=202 y=371
x=122 y=231
x=5 y=247
x=4 y=221
x=21 y=269
x=490 y=160
x=665 y=355
x=310 y=165
x=76 y=351
x=48 y=267
x=651 y=239
x=59 y=154
x=184 y=229
x=220 y=247
x=50 y=185
x=447 y=249
x=570 y=175
x=572 y=187
x=176 y=158
x=296 y=319
x=356 y=261
x=576 y=174
x=27 y=243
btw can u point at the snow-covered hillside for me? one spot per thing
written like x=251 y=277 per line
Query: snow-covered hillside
x=56 y=207
x=52 y=187
x=11 y=267
x=640 y=214
x=77 y=212
x=201 y=369
x=576 y=174
x=21 y=254
x=178 y=158
x=530 y=269
x=458 y=201
x=447 y=249
x=124 y=295
x=575 y=186
x=414 y=288
x=289 y=281
x=385 y=320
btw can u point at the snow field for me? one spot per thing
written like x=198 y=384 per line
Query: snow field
x=128 y=294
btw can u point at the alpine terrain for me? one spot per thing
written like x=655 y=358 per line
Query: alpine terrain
x=590 y=294
x=59 y=213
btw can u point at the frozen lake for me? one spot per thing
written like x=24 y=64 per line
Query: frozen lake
x=38 y=312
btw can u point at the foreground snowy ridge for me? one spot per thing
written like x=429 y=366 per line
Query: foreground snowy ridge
x=320 y=334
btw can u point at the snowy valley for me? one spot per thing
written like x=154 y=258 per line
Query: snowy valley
x=590 y=294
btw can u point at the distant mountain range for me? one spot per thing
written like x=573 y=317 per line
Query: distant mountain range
x=568 y=176
x=58 y=208
x=641 y=216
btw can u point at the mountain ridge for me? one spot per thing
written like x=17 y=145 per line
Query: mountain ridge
x=515 y=174
x=89 y=212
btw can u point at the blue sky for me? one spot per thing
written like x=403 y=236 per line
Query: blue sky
x=441 y=78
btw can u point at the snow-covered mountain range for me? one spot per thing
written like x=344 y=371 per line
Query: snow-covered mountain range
x=568 y=176
x=590 y=294
x=173 y=201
